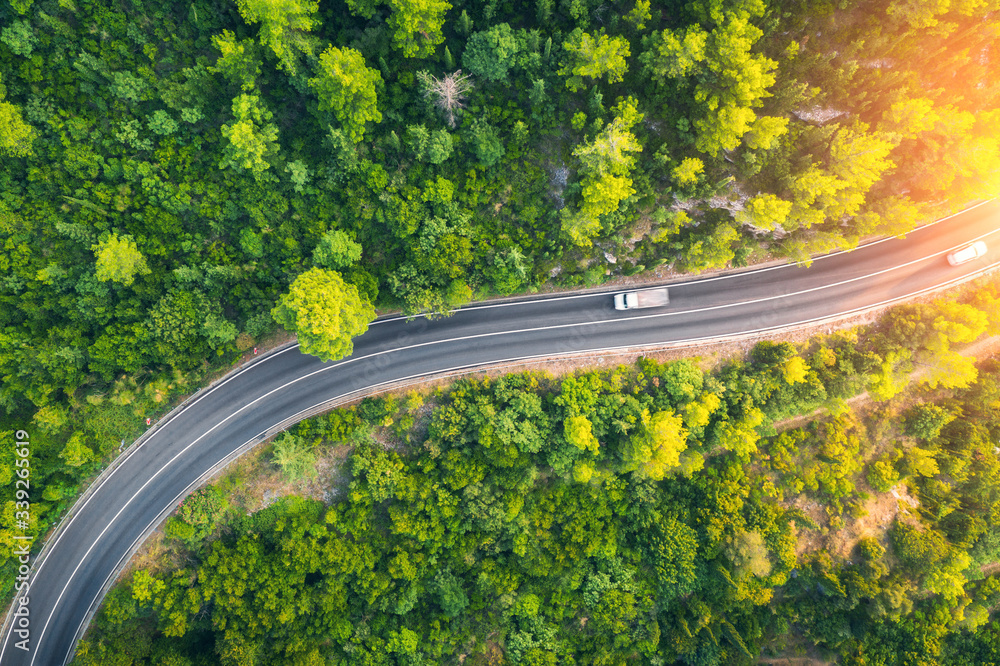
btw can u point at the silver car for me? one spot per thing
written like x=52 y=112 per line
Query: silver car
x=967 y=253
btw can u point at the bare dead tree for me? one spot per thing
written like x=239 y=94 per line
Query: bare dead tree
x=447 y=93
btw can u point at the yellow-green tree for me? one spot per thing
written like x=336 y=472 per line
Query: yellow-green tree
x=729 y=80
x=673 y=54
x=605 y=164
x=687 y=172
x=119 y=260
x=145 y=587
x=594 y=56
x=956 y=323
x=325 y=312
x=76 y=452
x=348 y=88
x=795 y=370
x=15 y=134
x=295 y=458
x=765 y=132
x=656 y=448
x=579 y=432
x=766 y=211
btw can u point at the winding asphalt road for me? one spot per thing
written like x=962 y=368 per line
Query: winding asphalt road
x=116 y=514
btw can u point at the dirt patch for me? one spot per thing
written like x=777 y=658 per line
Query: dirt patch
x=155 y=555
x=854 y=403
x=796 y=661
x=880 y=510
x=875 y=517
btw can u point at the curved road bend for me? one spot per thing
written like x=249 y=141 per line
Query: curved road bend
x=114 y=519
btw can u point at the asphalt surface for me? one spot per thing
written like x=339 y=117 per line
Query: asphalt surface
x=111 y=521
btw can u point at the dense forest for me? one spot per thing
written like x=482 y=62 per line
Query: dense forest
x=647 y=514
x=178 y=179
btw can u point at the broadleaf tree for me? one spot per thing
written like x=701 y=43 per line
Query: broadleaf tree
x=119 y=260
x=416 y=25
x=252 y=138
x=594 y=56
x=348 y=87
x=282 y=23
x=325 y=312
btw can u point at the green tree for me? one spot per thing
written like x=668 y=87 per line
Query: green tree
x=119 y=260
x=336 y=249
x=925 y=420
x=707 y=248
x=416 y=25
x=440 y=146
x=239 y=61
x=673 y=550
x=419 y=140
x=451 y=596
x=282 y=23
x=594 y=57
x=491 y=53
x=294 y=457
x=175 y=325
x=674 y=54
x=926 y=555
x=128 y=87
x=300 y=174
x=325 y=313
x=882 y=473
x=161 y=123
x=76 y=452
x=348 y=87
x=486 y=142
x=252 y=138
x=19 y=37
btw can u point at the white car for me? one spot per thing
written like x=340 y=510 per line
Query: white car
x=967 y=253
